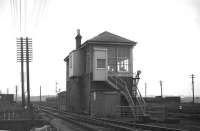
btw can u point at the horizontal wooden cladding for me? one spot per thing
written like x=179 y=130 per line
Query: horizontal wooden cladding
x=76 y=63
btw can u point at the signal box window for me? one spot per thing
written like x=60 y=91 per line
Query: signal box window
x=101 y=63
x=119 y=59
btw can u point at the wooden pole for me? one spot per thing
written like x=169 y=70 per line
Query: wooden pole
x=161 y=89
x=16 y=93
x=22 y=72
x=193 y=76
x=27 y=71
x=145 y=89
x=40 y=94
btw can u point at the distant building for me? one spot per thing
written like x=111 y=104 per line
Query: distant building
x=159 y=99
x=99 y=75
x=6 y=98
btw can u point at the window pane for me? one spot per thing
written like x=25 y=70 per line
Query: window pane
x=101 y=63
x=123 y=57
x=118 y=59
x=122 y=65
x=112 y=59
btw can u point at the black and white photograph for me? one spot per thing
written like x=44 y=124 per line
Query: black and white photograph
x=99 y=65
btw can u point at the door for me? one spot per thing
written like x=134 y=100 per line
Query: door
x=100 y=64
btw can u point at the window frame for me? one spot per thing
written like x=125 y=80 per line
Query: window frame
x=117 y=54
x=102 y=64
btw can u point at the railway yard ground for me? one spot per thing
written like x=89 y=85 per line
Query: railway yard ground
x=44 y=115
x=176 y=122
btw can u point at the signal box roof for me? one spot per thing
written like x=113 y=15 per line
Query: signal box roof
x=109 y=38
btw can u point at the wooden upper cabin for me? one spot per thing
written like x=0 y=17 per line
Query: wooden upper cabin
x=104 y=55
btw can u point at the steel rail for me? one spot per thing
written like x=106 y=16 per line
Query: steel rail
x=86 y=120
x=112 y=123
x=78 y=123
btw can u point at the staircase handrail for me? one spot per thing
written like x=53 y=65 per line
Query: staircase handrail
x=123 y=84
x=140 y=99
x=141 y=105
x=140 y=96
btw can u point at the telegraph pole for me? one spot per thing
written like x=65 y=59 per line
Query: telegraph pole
x=20 y=58
x=56 y=92
x=145 y=89
x=16 y=93
x=7 y=91
x=40 y=94
x=193 y=76
x=161 y=89
x=56 y=87
x=27 y=53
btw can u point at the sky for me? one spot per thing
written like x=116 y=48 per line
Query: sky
x=167 y=33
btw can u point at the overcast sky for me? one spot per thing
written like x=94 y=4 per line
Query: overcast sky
x=167 y=33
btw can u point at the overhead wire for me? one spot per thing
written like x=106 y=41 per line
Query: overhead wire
x=38 y=12
x=34 y=6
x=11 y=8
x=25 y=15
x=34 y=2
x=44 y=7
x=13 y=12
x=16 y=13
x=15 y=18
x=20 y=15
x=14 y=8
x=41 y=10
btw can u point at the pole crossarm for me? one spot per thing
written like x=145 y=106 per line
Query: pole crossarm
x=24 y=47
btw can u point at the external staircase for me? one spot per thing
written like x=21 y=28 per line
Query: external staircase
x=132 y=95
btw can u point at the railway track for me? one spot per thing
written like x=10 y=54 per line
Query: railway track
x=190 y=116
x=94 y=123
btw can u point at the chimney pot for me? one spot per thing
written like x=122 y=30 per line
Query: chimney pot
x=78 y=31
x=78 y=39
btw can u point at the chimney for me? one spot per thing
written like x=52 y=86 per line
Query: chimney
x=78 y=39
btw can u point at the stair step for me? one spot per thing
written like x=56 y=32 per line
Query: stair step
x=121 y=86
